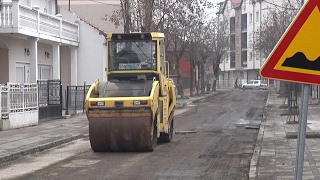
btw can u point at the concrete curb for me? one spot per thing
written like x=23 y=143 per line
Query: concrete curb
x=311 y=134
x=42 y=147
x=257 y=149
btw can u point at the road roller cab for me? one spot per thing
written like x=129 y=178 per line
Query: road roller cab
x=134 y=108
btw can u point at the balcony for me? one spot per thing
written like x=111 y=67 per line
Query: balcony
x=17 y=18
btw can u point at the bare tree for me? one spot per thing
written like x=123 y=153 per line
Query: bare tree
x=173 y=17
x=205 y=51
x=142 y=15
x=218 y=41
x=273 y=27
x=194 y=51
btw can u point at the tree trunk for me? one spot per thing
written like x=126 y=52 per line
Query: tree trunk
x=203 y=90
x=179 y=85
x=216 y=77
x=192 y=78
x=198 y=80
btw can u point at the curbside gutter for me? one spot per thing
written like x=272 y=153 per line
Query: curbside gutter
x=42 y=147
x=257 y=149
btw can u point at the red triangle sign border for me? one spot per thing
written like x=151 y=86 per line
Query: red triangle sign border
x=268 y=71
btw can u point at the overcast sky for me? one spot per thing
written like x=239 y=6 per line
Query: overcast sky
x=216 y=1
x=212 y=12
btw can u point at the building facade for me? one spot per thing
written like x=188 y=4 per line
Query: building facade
x=31 y=34
x=40 y=42
x=244 y=18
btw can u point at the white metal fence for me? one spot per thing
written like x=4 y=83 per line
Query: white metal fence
x=19 y=105
x=4 y=102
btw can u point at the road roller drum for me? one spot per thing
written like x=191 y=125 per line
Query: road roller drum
x=121 y=134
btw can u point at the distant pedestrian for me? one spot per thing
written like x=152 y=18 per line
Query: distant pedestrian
x=236 y=83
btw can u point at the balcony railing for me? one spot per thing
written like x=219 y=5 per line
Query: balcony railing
x=17 y=18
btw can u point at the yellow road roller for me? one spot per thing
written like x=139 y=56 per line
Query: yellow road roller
x=134 y=109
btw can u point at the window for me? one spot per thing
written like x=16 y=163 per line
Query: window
x=250 y=18
x=22 y=73
x=132 y=55
x=257 y=16
x=47 y=8
x=44 y=72
x=244 y=58
x=232 y=60
x=244 y=22
x=232 y=42
x=243 y=40
x=232 y=25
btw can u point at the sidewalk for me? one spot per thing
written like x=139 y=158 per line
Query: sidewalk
x=17 y=143
x=275 y=153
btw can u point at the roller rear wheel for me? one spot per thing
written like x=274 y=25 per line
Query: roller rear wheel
x=154 y=137
x=167 y=137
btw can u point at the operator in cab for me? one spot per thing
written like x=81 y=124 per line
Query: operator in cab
x=128 y=53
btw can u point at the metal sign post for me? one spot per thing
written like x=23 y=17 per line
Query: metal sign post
x=301 y=140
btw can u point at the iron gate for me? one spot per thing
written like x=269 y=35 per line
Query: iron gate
x=76 y=96
x=50 y=99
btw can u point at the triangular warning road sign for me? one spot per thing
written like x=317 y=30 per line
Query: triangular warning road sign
x=296 y=57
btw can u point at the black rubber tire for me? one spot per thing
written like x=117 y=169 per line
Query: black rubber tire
x=154 y=136
x=167 y=137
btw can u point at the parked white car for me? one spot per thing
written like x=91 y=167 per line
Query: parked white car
x=255 y=84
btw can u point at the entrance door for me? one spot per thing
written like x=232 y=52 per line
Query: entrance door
x=22 y=72
x=44 y=72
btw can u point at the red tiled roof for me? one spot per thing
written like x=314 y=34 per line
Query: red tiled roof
x=236 y=3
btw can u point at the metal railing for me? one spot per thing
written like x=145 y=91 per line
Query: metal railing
x=16 y=98
x=50 y=99
x=49 y=92
x=15 y=17
x=75 y=98
x=4 y=102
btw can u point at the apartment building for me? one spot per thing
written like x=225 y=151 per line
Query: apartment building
x=243 y=18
